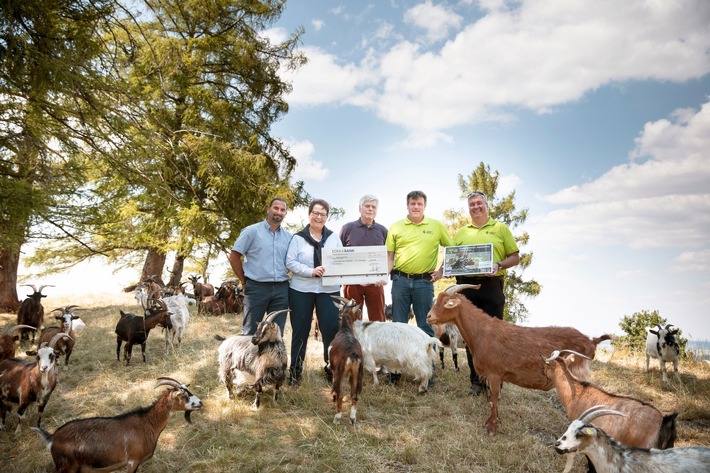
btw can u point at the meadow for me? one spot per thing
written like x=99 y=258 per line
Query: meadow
x=398 y=429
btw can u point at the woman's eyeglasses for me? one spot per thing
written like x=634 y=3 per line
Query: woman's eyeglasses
x=319 y=214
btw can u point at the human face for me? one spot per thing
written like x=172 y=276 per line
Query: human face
x=276 y=212
x=415 y=209
x=477 y=209
x=368 y=211
x=317 y=217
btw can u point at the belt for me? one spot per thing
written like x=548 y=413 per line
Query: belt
x=426 y=276
x=266 y=282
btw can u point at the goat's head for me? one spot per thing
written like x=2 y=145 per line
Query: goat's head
x=47 y=354
x=37 y=294
x=159 y=309
x=268 y=331
x=666 y=335
x=348 y=309
x=548 y=368
x=580 y=434
x=66 y=316
x=446 y=307
x=181 y=397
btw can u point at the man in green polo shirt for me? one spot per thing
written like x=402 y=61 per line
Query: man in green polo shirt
x=412 y=253
x=490 y=297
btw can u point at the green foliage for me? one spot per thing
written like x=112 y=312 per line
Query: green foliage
x=636 y=328
x=501 y=209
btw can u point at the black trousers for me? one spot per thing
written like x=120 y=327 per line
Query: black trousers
x=491 y=300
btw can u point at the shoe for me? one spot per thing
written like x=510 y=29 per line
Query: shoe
x=328 y=374
x=475 y=389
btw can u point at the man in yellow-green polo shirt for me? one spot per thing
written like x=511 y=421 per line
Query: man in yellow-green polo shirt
x=412 y=252
x=490 y=297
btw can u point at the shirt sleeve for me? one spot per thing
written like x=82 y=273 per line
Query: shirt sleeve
x=292 y=258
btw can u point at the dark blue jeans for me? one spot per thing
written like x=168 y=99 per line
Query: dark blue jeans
x=302 y=306
x=419 y=293
x=261 y=298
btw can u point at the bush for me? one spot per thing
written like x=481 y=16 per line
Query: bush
x=636 y=327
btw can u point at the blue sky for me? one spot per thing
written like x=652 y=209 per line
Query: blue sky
x=597 y=114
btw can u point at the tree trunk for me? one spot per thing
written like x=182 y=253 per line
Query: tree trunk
x=9 y=261
x=176 y=272
x=153 y=266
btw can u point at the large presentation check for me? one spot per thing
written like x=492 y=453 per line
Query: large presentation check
x=355 y=265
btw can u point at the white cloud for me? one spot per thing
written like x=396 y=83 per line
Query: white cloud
x=436 y=20
x=696 y=261
x=317 y=24
x=307 y=167
x=531 y=54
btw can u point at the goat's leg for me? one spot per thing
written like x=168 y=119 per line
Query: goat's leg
x=663 y=370
x=143 y=349
x=494 y=391
x=354 y=393
x=66 y=361
x=119 y=342
x=337 y=394
x=455 y=357
x=257 y=401
x=127 y=352
x=675 y=369
x=441 y=357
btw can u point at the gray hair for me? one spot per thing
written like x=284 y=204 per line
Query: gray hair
x=368 y=198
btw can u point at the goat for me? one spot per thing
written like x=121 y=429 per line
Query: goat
x=124 y=441
x=65 y=346
x=345 y=359
x=23 y=383
x=227 y=299
x=201 y=290
x=154 y=287
x=504 y=352
x=450 y=336
x=661 y=344
x=259 y=360
x=398 y=347
x=31 y=311
x=8 y=338
x=644 y=426
x=609 y=456
x=134 y=330
x=179 y=318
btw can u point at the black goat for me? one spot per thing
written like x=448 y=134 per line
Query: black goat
x=134 y=329
x=31 y=312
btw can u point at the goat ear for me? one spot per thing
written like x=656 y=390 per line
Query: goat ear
x=674 y=331
x=31 y=353
x=655 y=332
x=587 y=431
x=453 y=302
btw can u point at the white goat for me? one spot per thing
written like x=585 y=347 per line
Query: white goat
x=662 y=345
x=399 y=347
x=609 y=456
x=179 y=317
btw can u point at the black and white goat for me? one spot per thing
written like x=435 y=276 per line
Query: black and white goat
x=179 y=319
x=259 y=360
x=609 y=456
x=345 y=359
x=23 y=383
x=123 y=441
x=662 y=345
x=450 y=337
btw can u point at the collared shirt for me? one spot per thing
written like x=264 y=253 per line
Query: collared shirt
x=416 y=245
x=492 y=231
x=356 y=233
x=264 y=252
x=299 y=259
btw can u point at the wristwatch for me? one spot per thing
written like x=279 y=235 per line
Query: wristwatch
x=500 y=266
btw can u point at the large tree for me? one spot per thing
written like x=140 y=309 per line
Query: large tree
x=501 y=209
x=49 y=93
x=187 y=158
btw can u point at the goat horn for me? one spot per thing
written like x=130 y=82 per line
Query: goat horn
x=456 y=288
x=668 y=326
x=13 y=330
x=571 y=351
x=42 y=287
x=57 y=337
x=347 y=302
x=553 y=357
x=166 y=381
x=597 y=411
x=270 y=318
x=58 y=309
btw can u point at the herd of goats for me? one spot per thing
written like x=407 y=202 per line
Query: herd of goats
x=627 y=435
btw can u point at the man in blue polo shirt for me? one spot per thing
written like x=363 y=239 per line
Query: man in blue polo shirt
x=263 y=272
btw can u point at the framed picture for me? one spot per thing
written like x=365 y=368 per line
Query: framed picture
x=468 y=260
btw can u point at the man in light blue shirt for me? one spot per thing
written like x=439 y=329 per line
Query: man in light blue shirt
x=263 y=272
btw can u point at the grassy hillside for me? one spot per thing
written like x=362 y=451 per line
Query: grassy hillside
x=399 y=430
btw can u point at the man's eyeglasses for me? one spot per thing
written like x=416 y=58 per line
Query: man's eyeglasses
x=319 y=214
x=476 y=193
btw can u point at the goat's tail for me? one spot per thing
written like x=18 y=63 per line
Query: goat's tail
x=667 y=432
x=598 y=340
x=45 y=436
x=432 y=345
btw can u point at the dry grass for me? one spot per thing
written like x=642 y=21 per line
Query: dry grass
x=398 y=430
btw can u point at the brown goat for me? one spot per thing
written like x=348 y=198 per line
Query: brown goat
x=504 y=352
x=124 y=441
x=64 y=346
x=8 y=339
x=31 y=311
x=644 y=426
x=201 y=290
x=345 y=359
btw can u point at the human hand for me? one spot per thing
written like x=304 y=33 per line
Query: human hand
x=318 y=271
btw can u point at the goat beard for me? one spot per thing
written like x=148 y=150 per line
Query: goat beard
x=187 y=417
